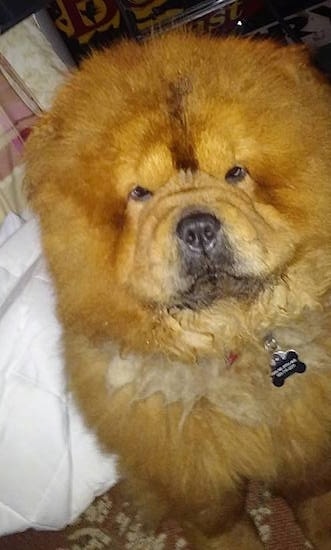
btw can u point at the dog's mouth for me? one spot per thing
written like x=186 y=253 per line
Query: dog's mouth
x=216 y=284
x=210 y=268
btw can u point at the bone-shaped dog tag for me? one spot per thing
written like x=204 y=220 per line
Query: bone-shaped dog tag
x=283 y=363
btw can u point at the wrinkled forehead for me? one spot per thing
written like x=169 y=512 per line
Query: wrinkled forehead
x=183 y=132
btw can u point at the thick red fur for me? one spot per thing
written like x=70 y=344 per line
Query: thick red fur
x=154 y=380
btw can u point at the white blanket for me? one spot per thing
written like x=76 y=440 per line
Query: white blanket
x=50 y=465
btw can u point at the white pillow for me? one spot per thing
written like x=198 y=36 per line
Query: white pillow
x=51 y=466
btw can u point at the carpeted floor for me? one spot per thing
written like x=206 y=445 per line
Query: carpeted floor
x=111 y=523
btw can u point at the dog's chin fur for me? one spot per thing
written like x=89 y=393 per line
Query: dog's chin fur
x=213 y=287
x=164 y=350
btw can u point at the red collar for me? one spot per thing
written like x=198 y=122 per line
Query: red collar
x=231 y=358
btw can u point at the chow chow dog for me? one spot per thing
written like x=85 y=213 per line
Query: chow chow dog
x=183 y=187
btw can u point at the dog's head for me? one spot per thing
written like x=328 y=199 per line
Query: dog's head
x=182 y=182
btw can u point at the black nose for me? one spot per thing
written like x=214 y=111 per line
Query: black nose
x=198 y=231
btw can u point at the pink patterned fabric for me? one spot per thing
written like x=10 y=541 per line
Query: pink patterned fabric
x=18 y=111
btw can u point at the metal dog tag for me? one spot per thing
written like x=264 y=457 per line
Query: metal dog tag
x=283 y=363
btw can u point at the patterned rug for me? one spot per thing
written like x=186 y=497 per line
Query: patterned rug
x=112 y=523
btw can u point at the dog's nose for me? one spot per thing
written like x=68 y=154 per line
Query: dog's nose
x=198 y=231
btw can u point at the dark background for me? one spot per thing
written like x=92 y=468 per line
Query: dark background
x=88 y=24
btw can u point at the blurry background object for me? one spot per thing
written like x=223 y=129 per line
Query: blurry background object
x=13 y=11
x=86 y=24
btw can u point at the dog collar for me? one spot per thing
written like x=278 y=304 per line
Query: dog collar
x=231 y=358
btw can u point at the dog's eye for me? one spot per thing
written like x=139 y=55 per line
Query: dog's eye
x=140 y=193
x=236 y=174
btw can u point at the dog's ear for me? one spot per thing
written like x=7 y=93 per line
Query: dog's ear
x=297 y=62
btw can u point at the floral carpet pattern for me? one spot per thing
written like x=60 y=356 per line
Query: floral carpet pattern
x=274 y=521
x=91 y=531
x=112 y=523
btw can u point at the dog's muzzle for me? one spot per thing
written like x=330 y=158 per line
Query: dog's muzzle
x=209 y=263
x=203 y=245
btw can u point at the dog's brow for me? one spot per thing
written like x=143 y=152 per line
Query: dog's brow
x=181 y=147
